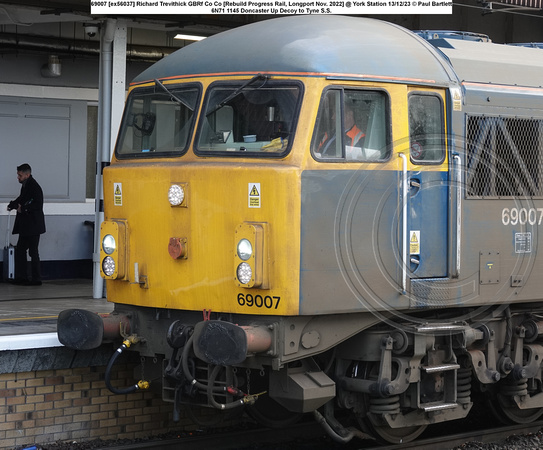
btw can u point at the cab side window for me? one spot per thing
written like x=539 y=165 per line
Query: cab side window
x=352 y=125
x=426 y=128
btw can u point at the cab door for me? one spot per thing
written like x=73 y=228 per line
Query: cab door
x=427 y=187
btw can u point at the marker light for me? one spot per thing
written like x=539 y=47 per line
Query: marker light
x=176 y=195
x=108 y=244
x=244 y=273
x=245 y=249
x=108 y=266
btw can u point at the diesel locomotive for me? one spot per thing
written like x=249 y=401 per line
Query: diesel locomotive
x=325 y=214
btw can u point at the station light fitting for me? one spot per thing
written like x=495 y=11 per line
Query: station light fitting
x=189 y=37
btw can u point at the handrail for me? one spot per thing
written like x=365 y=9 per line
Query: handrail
x=404 y=237
x=457 y=162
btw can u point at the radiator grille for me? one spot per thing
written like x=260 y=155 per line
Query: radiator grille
x=504 y=157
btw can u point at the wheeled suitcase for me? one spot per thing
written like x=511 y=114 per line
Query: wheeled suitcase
x=8 y=263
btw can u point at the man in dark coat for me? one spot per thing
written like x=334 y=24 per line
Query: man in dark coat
x=29 y=225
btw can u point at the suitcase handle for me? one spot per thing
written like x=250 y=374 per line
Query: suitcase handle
x=7 y=228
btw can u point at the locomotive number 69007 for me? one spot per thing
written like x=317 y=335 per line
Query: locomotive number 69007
x=259 y=301
x=522 y=216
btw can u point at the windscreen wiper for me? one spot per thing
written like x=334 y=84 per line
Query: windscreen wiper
x=258 y=76
x=173 y=96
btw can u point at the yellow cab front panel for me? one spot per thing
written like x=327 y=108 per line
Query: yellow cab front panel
x=204 y=276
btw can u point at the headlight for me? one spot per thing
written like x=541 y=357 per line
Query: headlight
x=108 y=244
x=244 y=273
x=251 y=256
x=245 y=249
x=176 y=195
x=113 y=249
x=108 y=266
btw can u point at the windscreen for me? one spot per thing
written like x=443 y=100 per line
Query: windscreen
x=158 y=121
x=251 y=118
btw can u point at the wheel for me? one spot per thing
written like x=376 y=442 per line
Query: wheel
x=505 y=409
x=398 y=435
x=382 y=430
x=373 y=424
x=509 y=413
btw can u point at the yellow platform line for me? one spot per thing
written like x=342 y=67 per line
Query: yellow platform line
x=28 y=318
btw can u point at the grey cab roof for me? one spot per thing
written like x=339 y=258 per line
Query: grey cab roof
x=332 y=45
x=486 y=62
x=347 y=46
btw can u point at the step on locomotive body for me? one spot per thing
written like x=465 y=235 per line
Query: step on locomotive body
x=335 y=211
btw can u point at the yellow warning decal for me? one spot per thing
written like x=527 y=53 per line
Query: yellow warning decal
x=414 y=242
x=456 y=98
x=254 y=195
x=118 y=194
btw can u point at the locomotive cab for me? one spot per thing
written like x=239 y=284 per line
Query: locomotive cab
x=309 y=224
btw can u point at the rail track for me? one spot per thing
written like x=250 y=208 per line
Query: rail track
x=310 y=436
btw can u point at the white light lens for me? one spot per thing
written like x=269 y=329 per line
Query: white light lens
x=244 y=273
x=108 y=244
x=245 y=249
x=108 y=266
x=176 y=195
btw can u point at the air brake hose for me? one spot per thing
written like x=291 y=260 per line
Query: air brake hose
x=245 y=400
x=186 y=370
x=210 y=388
x=142 y=384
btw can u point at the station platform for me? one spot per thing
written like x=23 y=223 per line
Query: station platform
x=28 y=314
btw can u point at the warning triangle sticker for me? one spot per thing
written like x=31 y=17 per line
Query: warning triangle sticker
x=117 y=190
x=414 y=237
x=254 y=192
